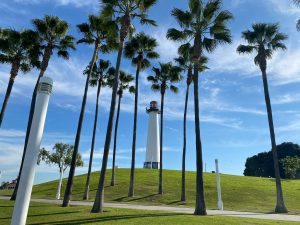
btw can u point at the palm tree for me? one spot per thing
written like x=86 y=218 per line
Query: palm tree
x=141 y=49
x=53 y=36
x=98 y=79
x=122 y=12
x=206 y=25
x=20 y=49
x=297 y=2
x=124 y=84
x=185 y=62
x=264 y=40
x=164 y=78
x=98 y=32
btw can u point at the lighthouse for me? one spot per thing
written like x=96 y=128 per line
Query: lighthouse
x=152 y=151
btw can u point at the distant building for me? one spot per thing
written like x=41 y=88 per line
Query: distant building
x=9 y=185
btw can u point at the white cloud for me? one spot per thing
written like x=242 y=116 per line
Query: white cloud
x=76 y=3
x=284 y=67
x=286 y=99
x=167 y=48
x=11 y=133
x=285 y=7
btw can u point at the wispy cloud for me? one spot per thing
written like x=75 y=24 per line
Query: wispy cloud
x=285 y=7
x=286 y=99
x=76 y=3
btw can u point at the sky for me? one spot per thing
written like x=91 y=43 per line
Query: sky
x=233 y=116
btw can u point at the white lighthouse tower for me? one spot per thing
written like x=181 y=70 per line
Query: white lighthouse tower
x=152 y=152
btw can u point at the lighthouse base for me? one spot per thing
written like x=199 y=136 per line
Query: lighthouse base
x=151 y=165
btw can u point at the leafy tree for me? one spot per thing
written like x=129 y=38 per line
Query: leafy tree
x=62 y=157
x=205 y=24
x=99 y=32
x=186 y=62
x=164 y=79
x=264 y=39
x=261 y=165
x=140 y=49
x=99 y=77
x=21 y=51
x=124 y=84
x=53 y=36
x=122 y=12
x=291 y=166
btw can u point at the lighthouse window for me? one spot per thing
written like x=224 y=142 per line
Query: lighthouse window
x=155 y=165
x=147 y=165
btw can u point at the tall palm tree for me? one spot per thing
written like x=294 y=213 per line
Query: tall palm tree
x=264 y=39
x=98 y=79
x=164 y=79
x=122 y=12
x=53 y=36
x=140 y=49
x=206 y=25
x=21 y=50
x=297 y=2
x=186 y=62
x=99 y=32
x=124 y=84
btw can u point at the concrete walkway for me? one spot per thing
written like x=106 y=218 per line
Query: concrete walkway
x=283 y=217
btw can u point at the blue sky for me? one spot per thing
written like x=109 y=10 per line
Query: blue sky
x=233 y=118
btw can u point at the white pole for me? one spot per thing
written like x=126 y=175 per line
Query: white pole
x=60 y=179
x=220 y=203
x=30 y=161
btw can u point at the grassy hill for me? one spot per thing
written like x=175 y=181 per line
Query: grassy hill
x=239 y=193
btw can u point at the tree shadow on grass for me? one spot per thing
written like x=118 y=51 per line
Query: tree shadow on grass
x=176 y=203
x=31 y=206
x=48 y=214
x=6 y=206
x=127 y=199
x=107 y=218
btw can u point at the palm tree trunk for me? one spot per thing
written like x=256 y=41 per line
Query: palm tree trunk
x=6 y=98
x=200 y=208
x=113 y=181
x=13 y=74
x=280 y=206
x=59 y=184
x=45 y=62
x=160 y=185
x=68 y=191
x=98 y=203
x=87 y=185
x=183 y=195
x=132 y=171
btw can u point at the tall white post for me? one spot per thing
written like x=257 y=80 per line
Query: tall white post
x=30 y=161
x=60 y=179
x=220 y=203
x=152 y=152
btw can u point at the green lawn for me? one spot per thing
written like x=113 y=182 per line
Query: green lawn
x=239 y=193
x=52 y=214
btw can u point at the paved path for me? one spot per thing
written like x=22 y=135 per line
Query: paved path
x=253 y=215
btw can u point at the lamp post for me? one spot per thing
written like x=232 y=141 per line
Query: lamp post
x=220 y=203
x=30 y=161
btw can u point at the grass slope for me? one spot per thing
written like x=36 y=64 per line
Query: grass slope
x=238 y=193
x=41 y=214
